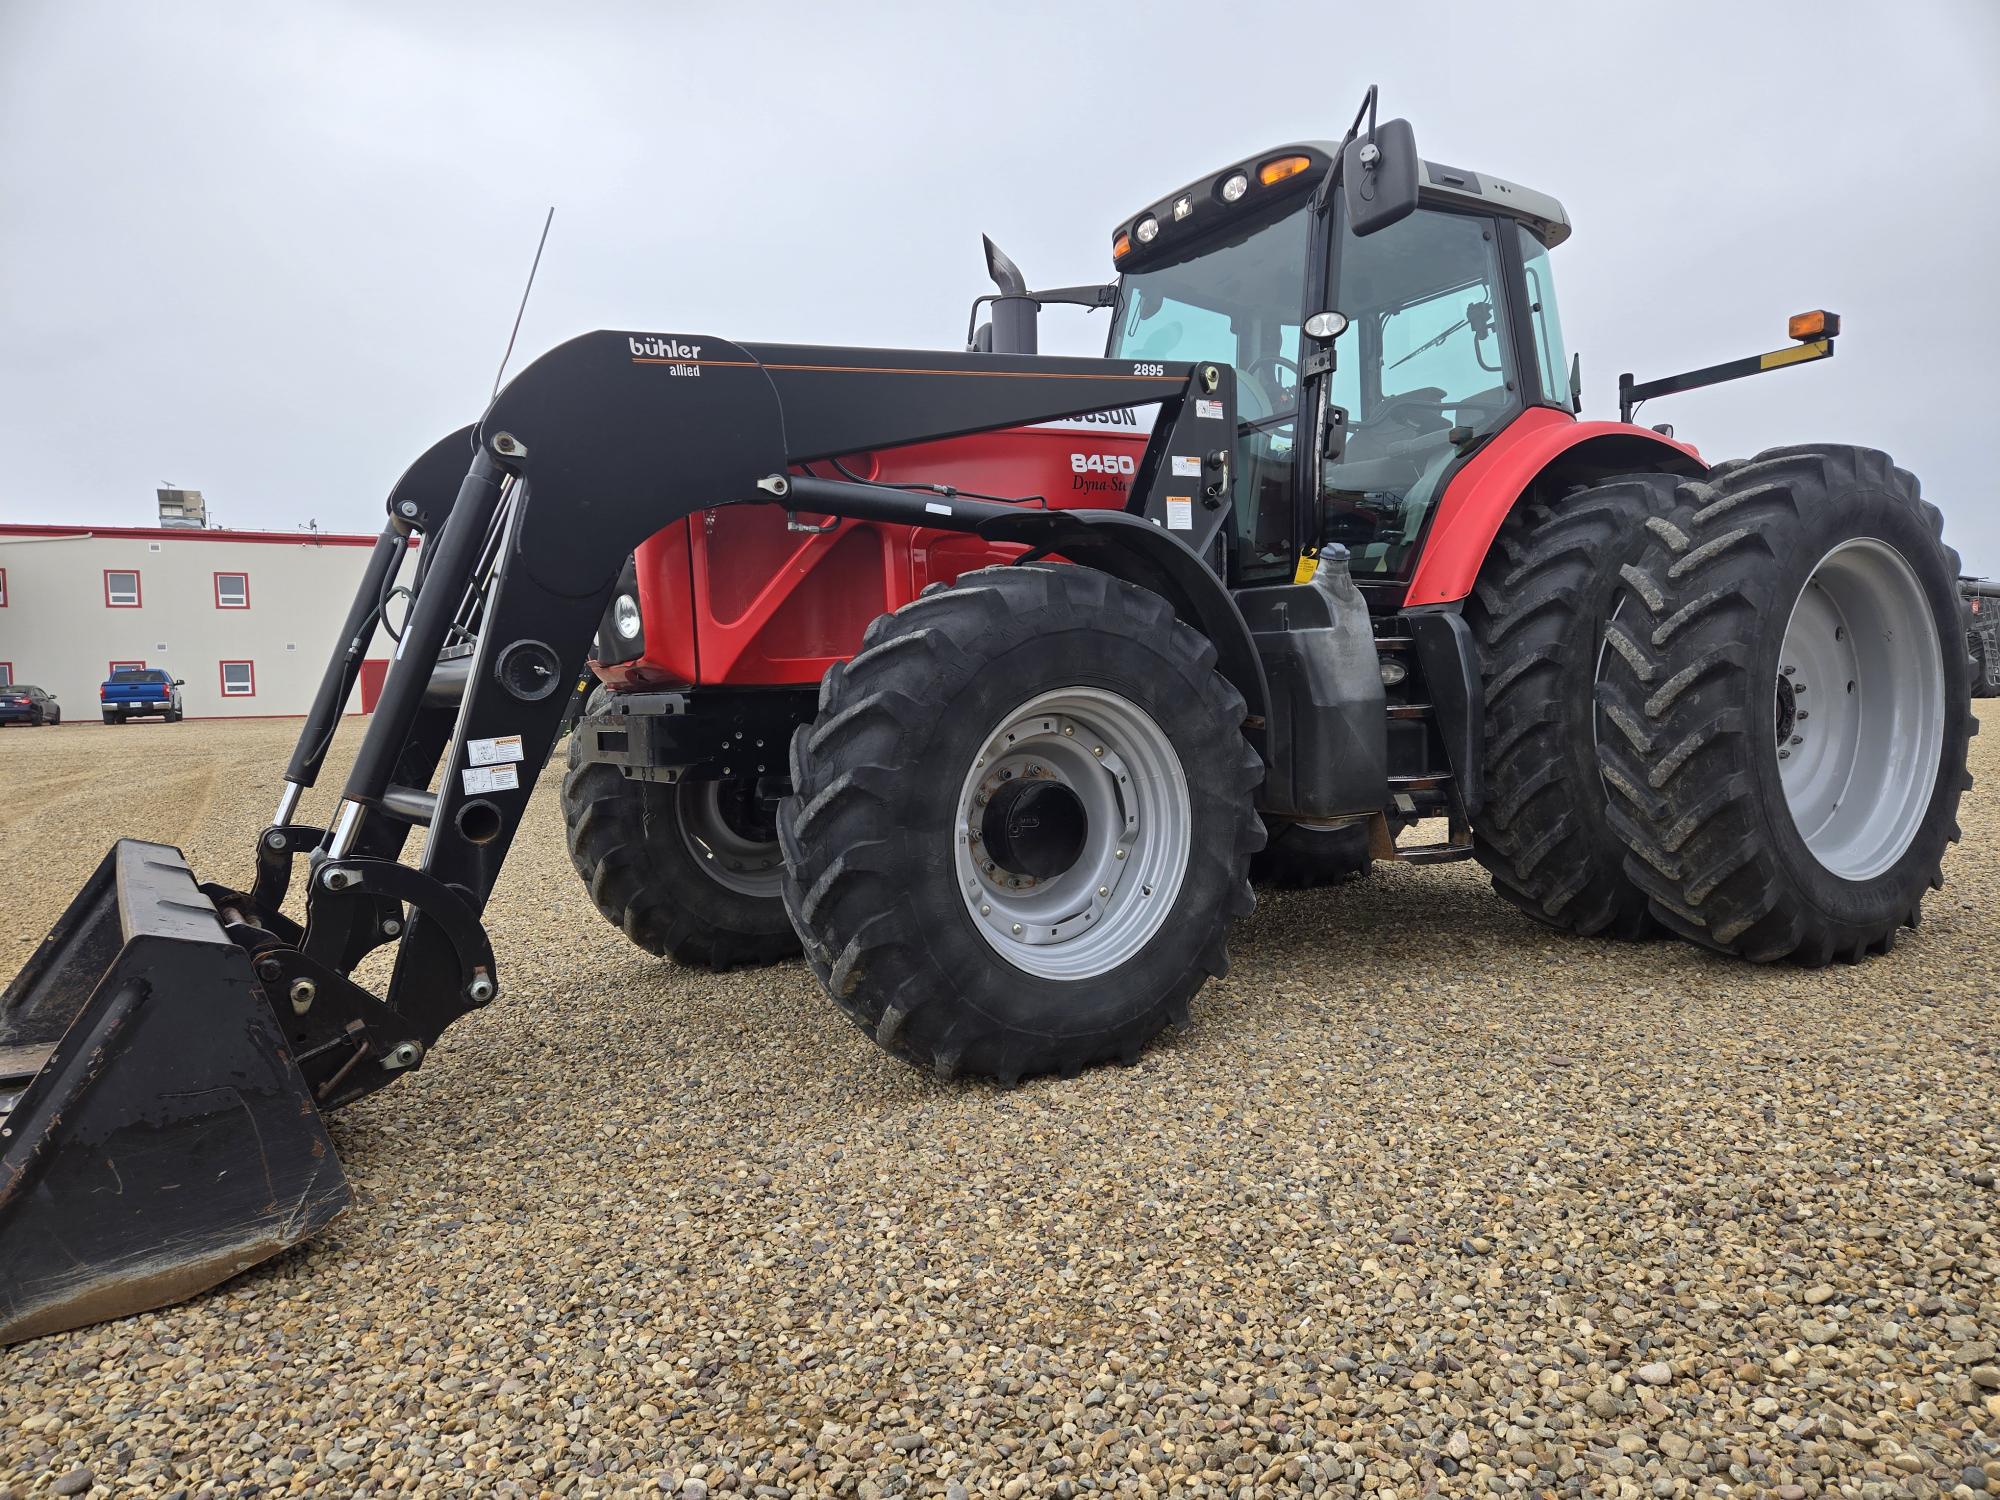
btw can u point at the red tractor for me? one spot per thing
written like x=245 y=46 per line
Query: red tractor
x=992 y=719
x=1427 y=548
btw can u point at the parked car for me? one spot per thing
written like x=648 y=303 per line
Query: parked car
x=23 y=703
x=141 y=692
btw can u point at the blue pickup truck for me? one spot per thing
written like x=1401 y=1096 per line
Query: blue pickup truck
x=140 y=692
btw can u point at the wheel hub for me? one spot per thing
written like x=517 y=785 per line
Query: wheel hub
x=1072 y=834
x=1034 y=826
x=724 y=829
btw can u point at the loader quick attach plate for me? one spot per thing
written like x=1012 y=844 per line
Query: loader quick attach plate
x=156 y=1137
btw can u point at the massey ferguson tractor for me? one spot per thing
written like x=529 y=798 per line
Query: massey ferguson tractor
x=990 y=718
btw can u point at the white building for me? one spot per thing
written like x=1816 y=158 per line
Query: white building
x=246 y=619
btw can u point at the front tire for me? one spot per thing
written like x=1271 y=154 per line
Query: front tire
x=1538 y=614
x=680 y=869
x=1021 y=823
x=1790 y=693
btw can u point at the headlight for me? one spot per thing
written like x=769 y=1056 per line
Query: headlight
x=1235 y=188
x=1148 y=230
x=625 y=616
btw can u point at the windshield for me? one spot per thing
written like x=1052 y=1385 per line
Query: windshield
x=1236 y=302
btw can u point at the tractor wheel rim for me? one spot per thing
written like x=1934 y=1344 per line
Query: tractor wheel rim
x=1858 y=706
x=733 y=857
x=1116 y=808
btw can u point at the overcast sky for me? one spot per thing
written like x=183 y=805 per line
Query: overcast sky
x=272 y=252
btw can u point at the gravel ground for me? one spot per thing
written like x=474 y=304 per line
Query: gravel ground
x=1427 y=1200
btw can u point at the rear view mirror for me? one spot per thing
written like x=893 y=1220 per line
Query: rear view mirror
x=1379 y=177
x=180 y=682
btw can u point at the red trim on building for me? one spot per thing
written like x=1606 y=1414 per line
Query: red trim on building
x=222 y=678
x=218 y=590
x=125 y=666
x=138 y=591
x=196 y=534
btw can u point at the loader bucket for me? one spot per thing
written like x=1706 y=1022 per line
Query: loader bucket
x=156 y=1136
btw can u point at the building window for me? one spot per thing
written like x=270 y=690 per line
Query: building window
x=232 y=590
x=125 y=666
x=121 y=588
x=3 y=588
x=6 y=674
x=239 y=679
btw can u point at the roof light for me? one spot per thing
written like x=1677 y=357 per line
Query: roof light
x=1121 y=246
x=1235 y=187
x=1817 y=324
x=1147 y=230
x=1278 y=168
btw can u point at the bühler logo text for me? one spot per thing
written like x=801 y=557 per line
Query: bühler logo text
x=682 y=357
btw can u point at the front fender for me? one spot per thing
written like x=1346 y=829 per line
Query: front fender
x=1137 y=551
x=1480 y=496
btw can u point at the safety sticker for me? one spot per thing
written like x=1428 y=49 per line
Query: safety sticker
x=493 y=752
x=1180 y=513
x=489 y=779
x=1186 y=468
x=931 y=507
x=1208 y=411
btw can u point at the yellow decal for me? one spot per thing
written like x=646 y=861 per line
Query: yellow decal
x=1308 y=565
x=1793 y=355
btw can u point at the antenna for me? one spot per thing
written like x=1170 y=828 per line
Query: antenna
x=500 y=373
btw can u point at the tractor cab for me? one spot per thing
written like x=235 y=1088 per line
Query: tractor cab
x=1447 y=330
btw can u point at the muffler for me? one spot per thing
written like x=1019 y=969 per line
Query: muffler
x=156 y=1135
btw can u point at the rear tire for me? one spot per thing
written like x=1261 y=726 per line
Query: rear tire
x=1789 y=691
x=1538 y=615
x=665 y=866
x=111 y=718
x=914 y=884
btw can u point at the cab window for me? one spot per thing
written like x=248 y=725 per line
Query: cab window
x=1235 y=300
x=1539 y=286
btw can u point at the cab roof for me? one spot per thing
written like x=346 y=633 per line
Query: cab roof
x=1192 y=212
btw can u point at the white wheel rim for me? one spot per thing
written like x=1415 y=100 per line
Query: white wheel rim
x=1859 y=709
x=749 y=866
x=1123 y=778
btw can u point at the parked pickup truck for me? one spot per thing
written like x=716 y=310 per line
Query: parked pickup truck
x=140 y=692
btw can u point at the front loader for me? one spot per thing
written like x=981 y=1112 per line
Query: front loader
x=1365 y=570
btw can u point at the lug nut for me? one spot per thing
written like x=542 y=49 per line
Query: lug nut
x=1104 y=890
x=1017 y=929
x=985 y=910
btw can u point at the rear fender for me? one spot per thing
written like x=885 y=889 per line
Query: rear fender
x=1539 y=447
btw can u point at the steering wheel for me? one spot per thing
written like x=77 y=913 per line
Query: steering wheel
x=1271 y=398
x=1419 y=410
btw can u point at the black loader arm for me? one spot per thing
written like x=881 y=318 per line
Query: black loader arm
x=592 y=448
